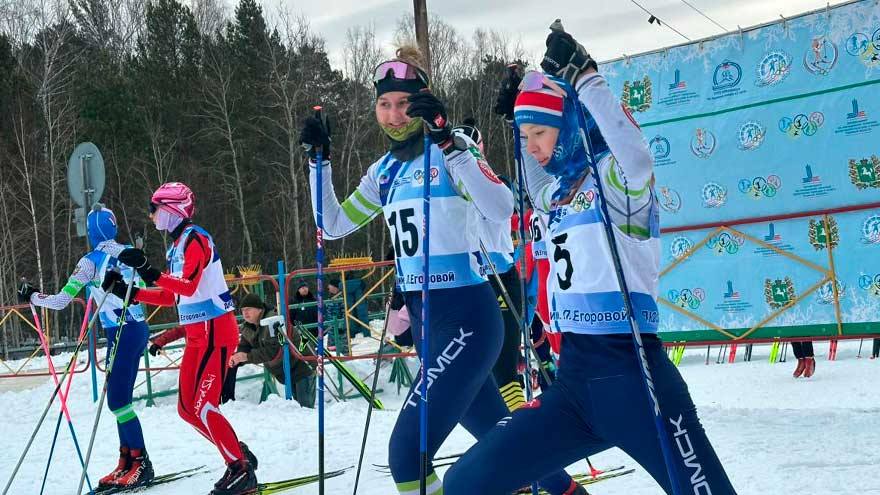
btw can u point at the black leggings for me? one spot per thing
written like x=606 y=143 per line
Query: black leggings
x=802 y=349
x=505 y=370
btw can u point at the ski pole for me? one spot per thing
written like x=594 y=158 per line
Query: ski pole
x=51 y=450
x=861 y=341
x=517 y=153
x=84 y=332
x=110 y=363
x=638 y=346
x=319 y=265
x=357 y=475
x=505 y=295
x=62 y=397
x=426 y=324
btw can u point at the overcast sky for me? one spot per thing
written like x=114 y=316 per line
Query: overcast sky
x=608 y=28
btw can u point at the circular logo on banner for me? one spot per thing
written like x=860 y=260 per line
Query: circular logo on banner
x=703 y=143
x=760 y=187
x=871 y=284
x=680 y=246
x=660 y=147
x=871 y=230
x=801 y=125
x=687 y=298
x=821 y=57
x=670 y=200
x=867 y=48
x=727 y=75
x=856 y=44
x=773 y=68
x=725 y=243
x=751 y=135
x=714 y=195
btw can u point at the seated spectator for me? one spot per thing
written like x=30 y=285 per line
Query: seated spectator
x=259 y=346
x=334 y=318
x=307 y=315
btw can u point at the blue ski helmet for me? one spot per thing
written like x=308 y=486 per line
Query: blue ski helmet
x=101 y=225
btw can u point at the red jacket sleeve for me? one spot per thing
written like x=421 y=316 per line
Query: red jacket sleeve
x=156 y=297
x=196 y=256
x=169 y=335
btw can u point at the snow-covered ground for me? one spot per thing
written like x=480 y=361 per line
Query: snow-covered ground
x=775 y=434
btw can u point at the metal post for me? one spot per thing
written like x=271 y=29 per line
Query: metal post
x=285 y=352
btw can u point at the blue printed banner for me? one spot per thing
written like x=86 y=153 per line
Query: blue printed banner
x=783 y=119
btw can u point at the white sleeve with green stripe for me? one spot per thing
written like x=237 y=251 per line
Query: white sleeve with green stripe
x=81 y=276
x=356 y=211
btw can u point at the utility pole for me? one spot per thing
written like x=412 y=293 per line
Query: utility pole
x=420 y=14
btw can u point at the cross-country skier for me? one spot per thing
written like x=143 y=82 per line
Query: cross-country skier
x=194 y=283
x=466 y=328
x=599 y=399
x=496 y=240
x=134 y=467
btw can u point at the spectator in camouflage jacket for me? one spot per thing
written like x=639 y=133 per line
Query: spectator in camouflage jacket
x=258 y=346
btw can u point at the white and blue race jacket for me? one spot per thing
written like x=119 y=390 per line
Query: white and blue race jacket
x=463 y=187
x=584 y=294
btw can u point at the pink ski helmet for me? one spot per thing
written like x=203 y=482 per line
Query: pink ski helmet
x=174 y=197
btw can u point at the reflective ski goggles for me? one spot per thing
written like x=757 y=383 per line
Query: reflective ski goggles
x=534 y=80
x=399 y=70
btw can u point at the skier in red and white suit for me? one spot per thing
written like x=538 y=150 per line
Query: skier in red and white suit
x=194 y=283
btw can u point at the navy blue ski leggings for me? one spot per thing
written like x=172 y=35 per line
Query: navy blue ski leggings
x=464 y=342
x=598 y=401
x=132 y=342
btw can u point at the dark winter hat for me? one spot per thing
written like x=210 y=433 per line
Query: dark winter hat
x=334 y=282
x=252 y=300
x=302 y=283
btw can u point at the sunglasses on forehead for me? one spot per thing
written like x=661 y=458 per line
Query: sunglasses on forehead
x=534 y=80
x=399 y=70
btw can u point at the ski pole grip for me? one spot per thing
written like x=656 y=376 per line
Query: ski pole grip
x=319 y=114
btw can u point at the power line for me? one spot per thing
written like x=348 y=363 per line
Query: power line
x=654 y=18
x=704 y=15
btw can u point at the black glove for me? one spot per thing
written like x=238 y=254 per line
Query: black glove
x=25 y=291
x=154 y=349
x=115 y=284
x=565 y=57
x=426 y=106
x=316 y=132
x=136 y=259
x=507 y=93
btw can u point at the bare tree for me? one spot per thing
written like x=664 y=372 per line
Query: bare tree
x=219 y=105
x=210 y=15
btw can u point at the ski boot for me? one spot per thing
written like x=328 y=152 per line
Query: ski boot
x=810 y=367
x=801 y=366
x=109 y=481
x=140 y=471
x=239 y=478
x=251 y=458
